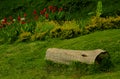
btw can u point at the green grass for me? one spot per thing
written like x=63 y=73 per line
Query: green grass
x=111 y=75
x=26 y=60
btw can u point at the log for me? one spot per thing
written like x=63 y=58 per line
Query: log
x=65 y=56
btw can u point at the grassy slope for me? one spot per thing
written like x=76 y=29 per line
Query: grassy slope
x=26 y=60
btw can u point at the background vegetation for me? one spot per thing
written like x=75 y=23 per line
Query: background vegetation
x=29 y=27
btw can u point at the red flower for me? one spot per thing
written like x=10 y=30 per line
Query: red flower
x=50 y=8
x=36 y=17
x=60 y=9
x=44 y=9
x=25 y=14
x=54 y=9
x=19 y=18
x=46 y=16
x=1 y=26
x=5 y=20
x=42 y=12
x=23 y=22
x=34 y=12
x=11 y=18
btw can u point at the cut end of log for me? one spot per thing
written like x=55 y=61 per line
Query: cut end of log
x=103 y=56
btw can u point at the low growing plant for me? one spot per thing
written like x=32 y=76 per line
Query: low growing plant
x=25 y=36
x=99 y=23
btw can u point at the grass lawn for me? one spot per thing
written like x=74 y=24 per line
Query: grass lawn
x=26 y=60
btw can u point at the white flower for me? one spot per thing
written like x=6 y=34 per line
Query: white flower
x=2 y=20
x=14 y=20
x=22 y=19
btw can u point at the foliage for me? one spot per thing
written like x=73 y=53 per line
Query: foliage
x=42 y=30
x=51 y=22
x=99 y=23
x=64 y=33
x=99 y=9
x=26 y=60
x=69 y=29
x=25 y=36
x=39 y=36
x=10 y=33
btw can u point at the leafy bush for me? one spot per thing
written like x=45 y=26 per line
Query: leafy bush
x=99 y=23
x=43 y=26
x=39 y=36
x=11 y=33
x=64 y=33
x=25 y=36
x=28 y=27
x=52 y=29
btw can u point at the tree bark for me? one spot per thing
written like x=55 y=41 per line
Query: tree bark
x=65 y=56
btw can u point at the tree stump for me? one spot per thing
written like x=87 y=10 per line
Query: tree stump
x=65 y=56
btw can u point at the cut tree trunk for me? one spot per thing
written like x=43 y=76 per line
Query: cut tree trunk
x=65 y=56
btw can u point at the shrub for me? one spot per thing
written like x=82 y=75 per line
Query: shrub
x=43 y=26
x=25 y=36
x=28 y=27
x=68 y=33
x=64 y=33
x=9 y=33
x=38 y=36
x=99 y=23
